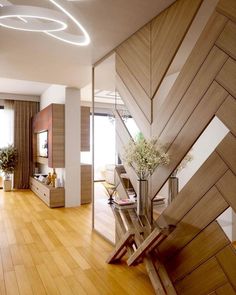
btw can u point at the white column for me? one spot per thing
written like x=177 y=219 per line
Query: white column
x=72 y=148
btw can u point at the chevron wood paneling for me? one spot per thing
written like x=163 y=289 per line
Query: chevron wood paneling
x=227 y=186
x=226 y=114
x=193 y=95
x=168 y=31
x=193 y=222
x=135 y=52
x=227 y=76
x=227 y=39
x=139 y=95
x=228 y=8
x=225 y=289
x=211 y=276
x=204 y=88
x=187 y=259
x=227 y=150
x=194 y=126
x=202 y=48
x=227 y=260
x=134 y=109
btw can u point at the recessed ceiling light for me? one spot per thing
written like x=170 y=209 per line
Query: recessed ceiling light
x=39 y=19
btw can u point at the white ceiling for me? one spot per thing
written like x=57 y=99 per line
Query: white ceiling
x=38 y=57
x=22 y=87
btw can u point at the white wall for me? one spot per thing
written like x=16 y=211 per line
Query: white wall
x=70 y=175
x=72 y=148
x=54 y=94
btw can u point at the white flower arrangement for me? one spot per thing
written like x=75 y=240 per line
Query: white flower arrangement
x=144 y=156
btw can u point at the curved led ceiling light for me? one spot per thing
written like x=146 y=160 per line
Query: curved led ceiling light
x=32 y=18
x=67 y=37
x=27 y=15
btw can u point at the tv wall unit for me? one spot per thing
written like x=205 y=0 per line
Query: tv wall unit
x=52 y=120
x=53 y=197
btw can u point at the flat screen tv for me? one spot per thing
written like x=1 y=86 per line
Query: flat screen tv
x=42 y=144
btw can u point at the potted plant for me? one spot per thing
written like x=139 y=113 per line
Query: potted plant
x=144 y=156
x=8 y=161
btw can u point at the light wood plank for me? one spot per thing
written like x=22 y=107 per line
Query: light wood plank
x=227 y=39
x=194 y=126
x=198 y=283
x=200 y=249
x=228 y=8
x=194 y=221
x=139 y=95
x=134 y=109
x=226 y=114
x=11 y=283
x=135 y=52
x=226 y=289
x=168 y=31
x=193 y=95
x=227 y=151
x=22 y=280
x=208 y=174
x=227 y=260
x=227 y=76
x=190 y=69
x=47 y=280
x=227 y=186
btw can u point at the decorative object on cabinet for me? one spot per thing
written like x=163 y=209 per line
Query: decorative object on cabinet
x=53 y=197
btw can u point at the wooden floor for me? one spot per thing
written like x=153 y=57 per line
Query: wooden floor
x=53 y=251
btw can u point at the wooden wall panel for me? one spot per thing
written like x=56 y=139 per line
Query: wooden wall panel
x=214 y=168
x=139 y=95
x=205 y=279
x=134 y=109
x=135 y=52
x=226 y=114
x=193 y=95
x=227 y=186
x=193 y=222
x=190 y=69
x=227 y=260
x=225 y=290
x=227 y=150
x=85 y=129
x=228 y=8
x=227 y=39
x=168 y=31
x=197 y=251
x=227 y=76
x=199 y=119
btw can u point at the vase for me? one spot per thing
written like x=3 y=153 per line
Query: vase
x=142 y=195
x=173 y=188
x=7 y=183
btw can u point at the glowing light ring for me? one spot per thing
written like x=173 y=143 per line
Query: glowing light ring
x=56 y=21
x=29 y=20
x=67 y=37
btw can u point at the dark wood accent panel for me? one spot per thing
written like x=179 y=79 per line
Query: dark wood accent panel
x=51 y=119
x=227 y=186
x=197 y=251
x=227 y=260
x=227 y=39
x=85 y=129
x=205 y=279
x=86 y=183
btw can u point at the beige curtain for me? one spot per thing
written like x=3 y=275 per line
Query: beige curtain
x=23 y=113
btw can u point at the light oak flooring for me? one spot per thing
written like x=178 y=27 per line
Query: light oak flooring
x=54 y=251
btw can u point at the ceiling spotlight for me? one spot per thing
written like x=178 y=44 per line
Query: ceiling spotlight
x=39 y=19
